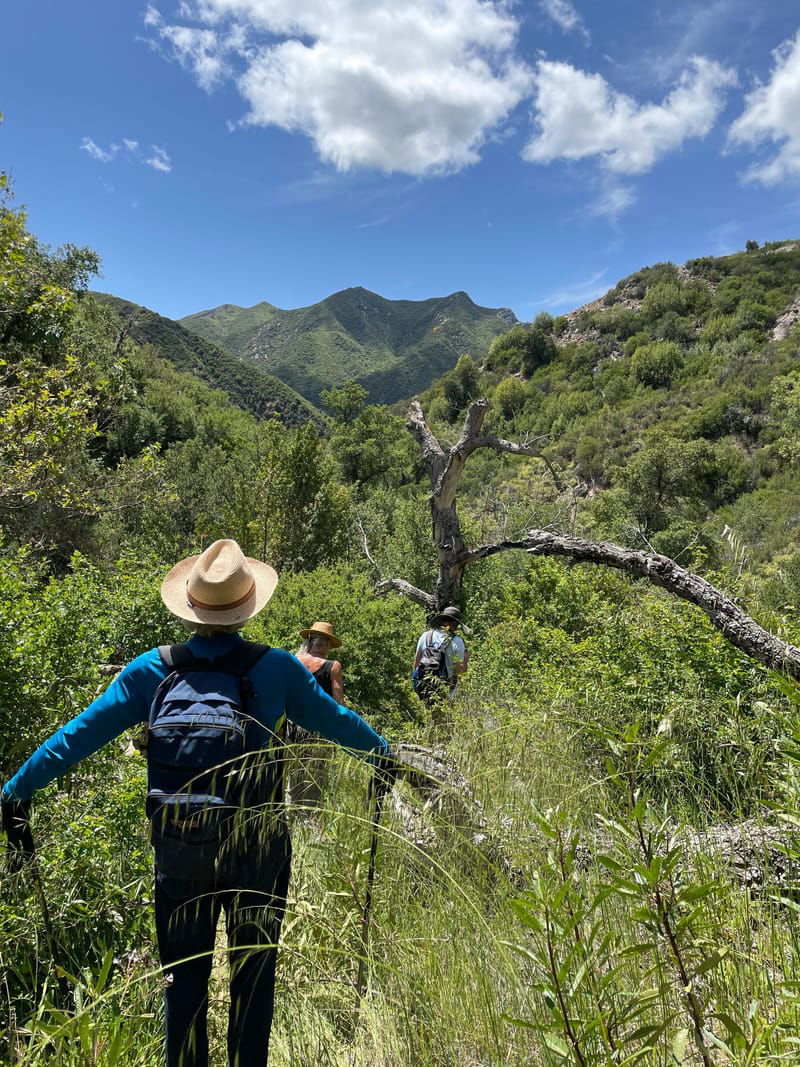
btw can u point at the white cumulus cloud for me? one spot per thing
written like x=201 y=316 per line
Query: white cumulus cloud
x=579 y=115
x=772 y=115
x=416 y=86
x=564 y=14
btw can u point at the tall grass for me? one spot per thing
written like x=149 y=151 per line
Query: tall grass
x=555 y=916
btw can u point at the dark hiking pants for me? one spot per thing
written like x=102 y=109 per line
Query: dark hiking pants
x=253 y=894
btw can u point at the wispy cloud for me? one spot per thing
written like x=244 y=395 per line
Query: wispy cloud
x=688 y=28
x=102 y=155
x=199 y=49
x=318 y=186
x=381 y=221
x=571 y=296
x=130 y=149
x=612 y=201
x=152 y=16
x=564 y=14
x=159 y=160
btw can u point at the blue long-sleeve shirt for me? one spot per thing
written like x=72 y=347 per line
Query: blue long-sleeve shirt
x=282 y=686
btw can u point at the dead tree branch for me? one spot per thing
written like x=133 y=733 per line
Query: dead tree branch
x=400 y=585
x=735 y=625
x=445 y=470
x=432 y=453
x=470 y=441
x=365 y=542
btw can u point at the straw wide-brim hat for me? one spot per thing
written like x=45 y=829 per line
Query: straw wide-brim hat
x=221 y=585
x=324 y=629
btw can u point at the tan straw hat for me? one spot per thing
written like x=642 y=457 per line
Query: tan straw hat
x=220 y=585
x=324 y=629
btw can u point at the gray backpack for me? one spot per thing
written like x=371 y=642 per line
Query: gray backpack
x=433 y=661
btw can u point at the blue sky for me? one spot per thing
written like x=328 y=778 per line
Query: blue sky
x=232 y=151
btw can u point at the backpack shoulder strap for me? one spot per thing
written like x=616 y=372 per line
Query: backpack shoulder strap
x=241 y=659
x=445 y=644
x=176 y=655
x=175 y=658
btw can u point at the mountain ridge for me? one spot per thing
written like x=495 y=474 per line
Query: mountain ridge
x=249 y=386
x=394 y=348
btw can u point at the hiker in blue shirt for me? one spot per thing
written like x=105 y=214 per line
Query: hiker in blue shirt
x=215 y=594
x=440 y=659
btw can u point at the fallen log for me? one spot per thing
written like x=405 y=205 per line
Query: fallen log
x=440 y=801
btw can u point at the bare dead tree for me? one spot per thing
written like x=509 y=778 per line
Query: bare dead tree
x=445 y=469
x=127 y=322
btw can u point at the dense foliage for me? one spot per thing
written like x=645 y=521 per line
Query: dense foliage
x=562 y=905
x=667 y=404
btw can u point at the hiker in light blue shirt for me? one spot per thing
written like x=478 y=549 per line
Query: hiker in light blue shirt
x=440 y=659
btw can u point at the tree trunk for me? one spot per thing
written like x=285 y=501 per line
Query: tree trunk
x=450 y=546
x=444 y=471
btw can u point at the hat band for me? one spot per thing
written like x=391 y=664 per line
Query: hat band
x=193 y=602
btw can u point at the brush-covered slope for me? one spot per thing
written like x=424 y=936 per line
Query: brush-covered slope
x=394 y=348
x=249 y=386
x=670 y=407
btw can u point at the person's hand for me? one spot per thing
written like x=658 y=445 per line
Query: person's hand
x=16 y=817
x=386 y=767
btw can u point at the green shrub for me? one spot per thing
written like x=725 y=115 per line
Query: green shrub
x=509 y=397
x=655 y=364
x=664 y=297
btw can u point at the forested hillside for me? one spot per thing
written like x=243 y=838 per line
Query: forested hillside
x=248 y=386
x=597 y=863
x=393 y=348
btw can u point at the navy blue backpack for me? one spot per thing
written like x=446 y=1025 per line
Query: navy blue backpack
x=196 y=754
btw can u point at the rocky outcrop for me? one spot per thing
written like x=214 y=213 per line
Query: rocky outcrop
x=787 y=321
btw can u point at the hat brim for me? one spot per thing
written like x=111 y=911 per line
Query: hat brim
x=335 y=642
x=437 y=620
x=173 y=594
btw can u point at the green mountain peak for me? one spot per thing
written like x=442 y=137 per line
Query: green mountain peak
x=394 y=348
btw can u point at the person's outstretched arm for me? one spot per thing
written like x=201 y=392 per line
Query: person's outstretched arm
x=308 y=705
x=125 y=703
